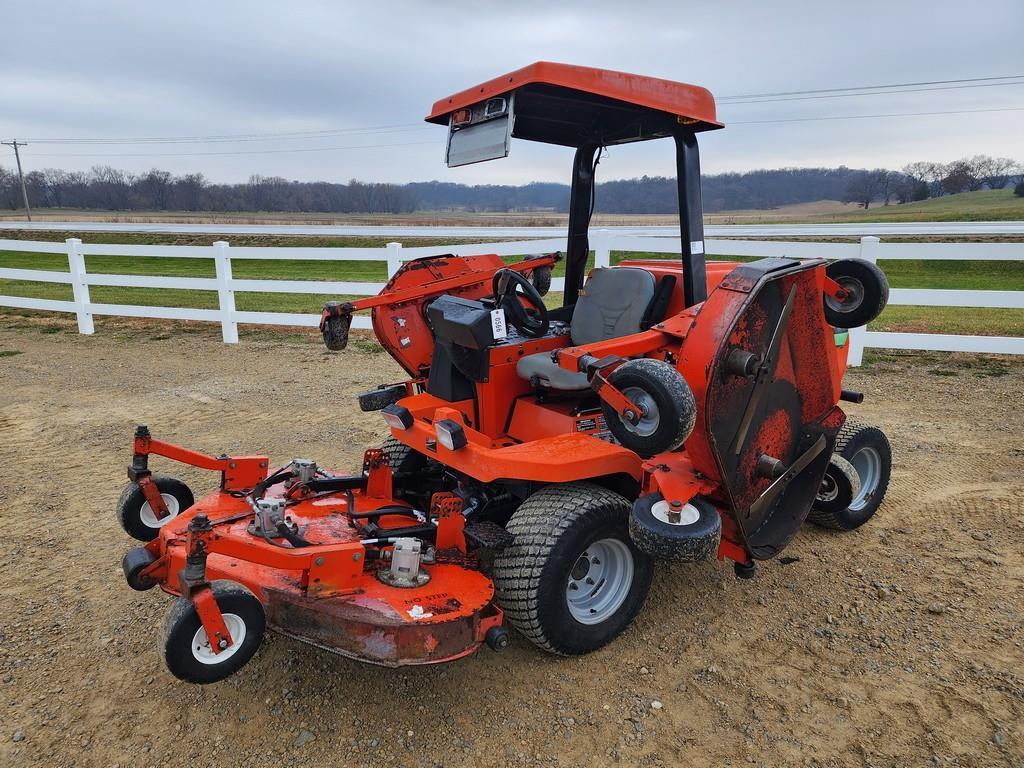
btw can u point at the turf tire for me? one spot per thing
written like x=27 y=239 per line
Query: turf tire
x=855 y=438
x=401 y=458
x=552 y=528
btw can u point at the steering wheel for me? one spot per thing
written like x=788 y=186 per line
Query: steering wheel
x=531 y=321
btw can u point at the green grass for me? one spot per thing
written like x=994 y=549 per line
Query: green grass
x=983 y=275
x=985 y=205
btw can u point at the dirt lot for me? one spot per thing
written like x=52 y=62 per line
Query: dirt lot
x=897 y=645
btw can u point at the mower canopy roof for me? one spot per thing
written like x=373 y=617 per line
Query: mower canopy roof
x=575 y=106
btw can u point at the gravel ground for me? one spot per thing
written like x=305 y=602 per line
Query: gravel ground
x=898 y=644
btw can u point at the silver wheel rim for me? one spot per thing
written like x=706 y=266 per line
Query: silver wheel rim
x=868 y=463
x=201 y=649
x=149 y=518
x=599 y=581
x=649 y=416
x=855 y=295
x=688 y=515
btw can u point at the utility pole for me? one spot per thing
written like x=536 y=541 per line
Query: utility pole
x=21 y=177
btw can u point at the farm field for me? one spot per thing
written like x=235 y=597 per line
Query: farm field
x=901 y=274
x=984 y=205
x=895 y=645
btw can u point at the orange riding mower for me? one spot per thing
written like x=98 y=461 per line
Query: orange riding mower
x=541 y=460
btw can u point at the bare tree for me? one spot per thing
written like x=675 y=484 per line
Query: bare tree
x=961 y=176
x=866 y=187
x=154 y=189
x=995 y=172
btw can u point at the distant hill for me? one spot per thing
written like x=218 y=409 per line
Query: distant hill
x=649 y=194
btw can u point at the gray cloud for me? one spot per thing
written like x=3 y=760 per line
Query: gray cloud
x=121 y=69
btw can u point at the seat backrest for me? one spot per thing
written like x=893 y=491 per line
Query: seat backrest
x=612 y=304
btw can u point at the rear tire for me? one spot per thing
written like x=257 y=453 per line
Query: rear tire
x=868 y=450
x=566 y=535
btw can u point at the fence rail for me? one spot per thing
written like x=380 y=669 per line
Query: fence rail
x=877 y=229
x=603 y=242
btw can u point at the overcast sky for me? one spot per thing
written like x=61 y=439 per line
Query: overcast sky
x=185 y=69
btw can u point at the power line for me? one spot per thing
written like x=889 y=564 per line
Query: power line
x=867 y=117
x=866 y=93
x=238 y=136
x=237 y=152
x=868 y=87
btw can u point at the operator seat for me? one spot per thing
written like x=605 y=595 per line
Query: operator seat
x=614 y=302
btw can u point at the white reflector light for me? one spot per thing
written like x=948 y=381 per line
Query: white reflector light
x=450 y=434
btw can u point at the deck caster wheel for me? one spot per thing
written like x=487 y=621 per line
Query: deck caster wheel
x=745 y=571
x=136 y=560
x=186 y=647
x=667 y=408
x=498 y=638
x=139 y=520
x=867 y=293
x=682 y=533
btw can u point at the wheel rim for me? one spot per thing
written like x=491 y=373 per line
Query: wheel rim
x=201 y=649
x=829 y=489
x=600 y=581
x=688 y=515
x=854 y=295
x=868 y=463
x=149 y=518
x=649 y=416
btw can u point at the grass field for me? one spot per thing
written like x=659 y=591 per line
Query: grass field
x=985 y=205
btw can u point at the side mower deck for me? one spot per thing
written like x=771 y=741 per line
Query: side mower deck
x=327 y=587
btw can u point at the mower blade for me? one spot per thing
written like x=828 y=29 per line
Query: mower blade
x=765 y=375
x=772 y=492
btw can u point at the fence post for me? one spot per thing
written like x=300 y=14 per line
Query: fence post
x=868 y=252
x=225 y=295
x=394 y=258
x=79 y=286
x=602 y=248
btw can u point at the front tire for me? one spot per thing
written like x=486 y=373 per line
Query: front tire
x=186 y=647
x=402 y=459
x=572 y=580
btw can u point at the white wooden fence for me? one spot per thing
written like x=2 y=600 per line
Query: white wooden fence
x=603 y=242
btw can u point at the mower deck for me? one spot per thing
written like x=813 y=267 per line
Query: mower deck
x=351 y=613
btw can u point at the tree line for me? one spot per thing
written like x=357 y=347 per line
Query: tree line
x=922 y=180
x=107 y=188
